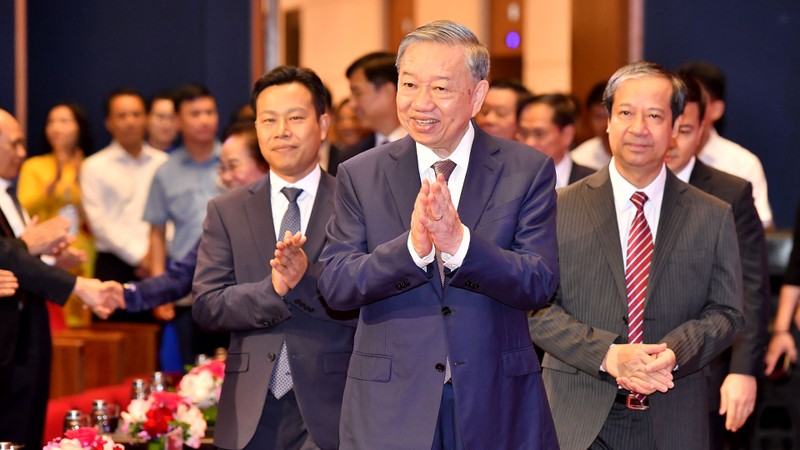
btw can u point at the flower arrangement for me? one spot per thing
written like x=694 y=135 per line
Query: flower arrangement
x=84 y=438
x=202 y=385
x=163 y=415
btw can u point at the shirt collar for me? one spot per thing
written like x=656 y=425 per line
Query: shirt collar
x=426 y=157
x=308 y=184
x=686 y=172
x=623 y=190
x=4 y=184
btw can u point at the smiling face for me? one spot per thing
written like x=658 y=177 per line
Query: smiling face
x=437 y=95
x=289 y=131
x=640 y=128
x=237 y=166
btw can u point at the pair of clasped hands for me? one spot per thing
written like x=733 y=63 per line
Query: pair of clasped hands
x=641 y=368
x=435 y=221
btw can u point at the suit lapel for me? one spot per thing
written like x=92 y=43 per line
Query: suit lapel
x=673 y=214
x=481 y=179
x=600 y=209
x=258 y=209
x=402 y=176
x=320 y=213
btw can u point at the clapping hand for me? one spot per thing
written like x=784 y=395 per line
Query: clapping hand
x=49 y=237
x=435 y=221
x=289 y=263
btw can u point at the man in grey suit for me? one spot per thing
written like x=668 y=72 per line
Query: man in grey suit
x=257 y=278
x=651 y=286
x=734 y=373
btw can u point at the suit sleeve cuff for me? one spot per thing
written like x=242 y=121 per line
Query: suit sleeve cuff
x=420 y=262
x=454 y=262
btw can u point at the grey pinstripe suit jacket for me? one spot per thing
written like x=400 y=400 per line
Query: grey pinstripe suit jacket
x=693 y=304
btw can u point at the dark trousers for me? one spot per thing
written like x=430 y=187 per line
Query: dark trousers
x=625 y=429
x=447 y=436
x=25 y=382
x=281 y=426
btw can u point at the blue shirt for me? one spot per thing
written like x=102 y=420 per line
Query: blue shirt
x=180 y=192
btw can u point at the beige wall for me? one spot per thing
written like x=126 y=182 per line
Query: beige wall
x=336 y=32
x=547 y=61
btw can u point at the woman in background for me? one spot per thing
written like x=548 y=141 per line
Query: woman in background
x=48 y=184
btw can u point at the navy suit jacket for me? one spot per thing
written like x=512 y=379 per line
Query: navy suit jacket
x=168 y=287
x=409 y=325
x=233 y=292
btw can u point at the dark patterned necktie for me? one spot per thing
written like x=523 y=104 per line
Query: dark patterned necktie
x=444 y=167
x=281 y=381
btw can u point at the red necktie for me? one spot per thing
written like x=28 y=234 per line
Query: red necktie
x=637 y=270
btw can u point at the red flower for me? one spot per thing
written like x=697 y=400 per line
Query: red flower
x=157 y=422
x=165 y=399
x=216 y=367
x=84 y=434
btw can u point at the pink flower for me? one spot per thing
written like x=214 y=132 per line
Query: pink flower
x=168 y=400
x=83 y=434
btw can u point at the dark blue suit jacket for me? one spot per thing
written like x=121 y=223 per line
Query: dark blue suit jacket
x=409 y=324
x=168 y=287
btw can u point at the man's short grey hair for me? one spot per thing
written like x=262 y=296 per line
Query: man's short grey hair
x=644 y=69
x=450 y=33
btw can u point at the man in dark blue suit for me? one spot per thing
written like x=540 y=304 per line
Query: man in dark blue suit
x=444 y=240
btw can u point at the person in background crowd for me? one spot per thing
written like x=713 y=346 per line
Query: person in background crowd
x=181 y=188
x=348 y=129
x=48 y=184
x=721 y=153
x=241 y=163
x=595 y=152
x=114 y=184
x=733 y=374
x=162 y=123
x=498 y=115
x=783 y=342
x=373 y=91
x=547 y=123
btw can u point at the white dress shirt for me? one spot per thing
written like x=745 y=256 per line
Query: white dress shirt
x=563 y=171
x=309 y=184
x=591 y=153
x=686 y=172
x=728 y=156
x=114 y=188
x=396 y=135
x=626 y=210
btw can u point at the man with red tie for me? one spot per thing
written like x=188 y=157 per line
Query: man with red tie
x=651 y=285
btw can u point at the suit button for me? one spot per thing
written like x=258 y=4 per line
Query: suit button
x=271 y=357
x=439 y=367
x=447 y=310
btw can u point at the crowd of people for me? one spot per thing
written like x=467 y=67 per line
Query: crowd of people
x=384 y=270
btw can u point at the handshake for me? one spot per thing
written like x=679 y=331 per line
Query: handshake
x=102 y=297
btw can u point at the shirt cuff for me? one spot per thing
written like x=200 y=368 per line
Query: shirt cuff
x=454 y=262
x=420 y=262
